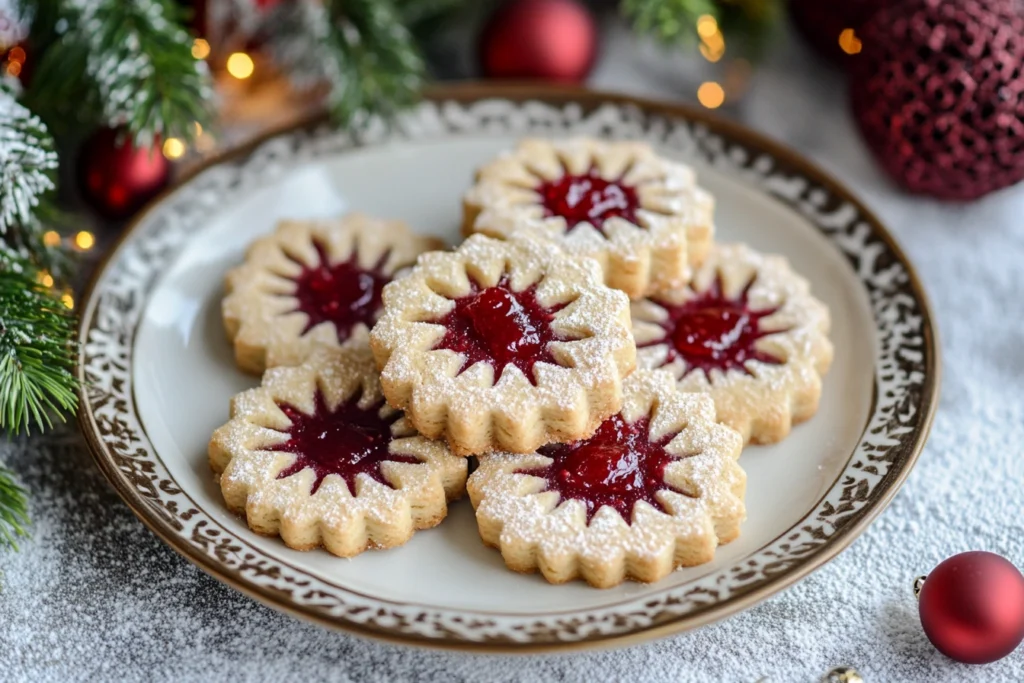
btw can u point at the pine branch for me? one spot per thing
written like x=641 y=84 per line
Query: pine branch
x=675 y=21
x=28 y=163
x=13 y=510
x=123 y=63
x=36 y=351
x=361 y=48
x=670 y=21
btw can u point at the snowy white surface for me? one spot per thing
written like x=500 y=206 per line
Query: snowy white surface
x=95 y=596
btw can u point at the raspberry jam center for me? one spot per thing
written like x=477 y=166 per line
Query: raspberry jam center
x=348 y=441
x=344 y=293
x=712 y=331
x=502 y=327
x=618 y=466
x=588 y=198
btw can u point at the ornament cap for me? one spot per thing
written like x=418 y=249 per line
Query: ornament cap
x=918 y=585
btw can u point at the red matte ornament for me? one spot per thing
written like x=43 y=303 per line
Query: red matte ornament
x=938 y=93
x=554 y=40
x=115 y=177
x=972 y=607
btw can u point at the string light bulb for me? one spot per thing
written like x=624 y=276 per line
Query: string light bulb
x=200 y=49
x=173 y=148
x=45 y=279
x=85 y=240
x=711 y=95
x=707 y=26
x=68 y=301
x=51 y=238
x=240 y=65
x=849 y=42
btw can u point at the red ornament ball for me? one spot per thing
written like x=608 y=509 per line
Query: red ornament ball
x=938 y=93
x=822 y=25
x=972 y=607
x=115 y=177
x=554 y=40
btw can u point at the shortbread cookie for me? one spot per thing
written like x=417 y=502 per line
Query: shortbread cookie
x=655 y=488
x=642 y=217
x=503 y=345
x=313 y=283
x=316 y=456
x=748 y=332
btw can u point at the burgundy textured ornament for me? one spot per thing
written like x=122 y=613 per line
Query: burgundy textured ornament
x=972 y=607
x=938 y=92
x=822 y=24
x=554 y=40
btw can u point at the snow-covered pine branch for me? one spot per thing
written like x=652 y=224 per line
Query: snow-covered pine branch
x=27 y=163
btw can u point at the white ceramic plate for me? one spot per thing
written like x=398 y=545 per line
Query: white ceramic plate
x=160 y=372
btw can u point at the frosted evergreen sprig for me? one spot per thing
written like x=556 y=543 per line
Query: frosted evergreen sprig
x=27 y=163
x=362 y=49
x=130 y=63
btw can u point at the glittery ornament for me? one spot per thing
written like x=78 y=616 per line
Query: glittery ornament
x=938 y=92
x=832 y=28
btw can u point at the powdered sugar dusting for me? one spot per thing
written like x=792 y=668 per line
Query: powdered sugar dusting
x=673 y=210
x=443 y=398
x=762 y=402
x=514 y=507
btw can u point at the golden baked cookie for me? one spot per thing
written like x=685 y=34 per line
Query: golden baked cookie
x=641 y=216
x=503 y=345
x=748 y=332
x=313 y=283
x=316 y=456
x=655 y=488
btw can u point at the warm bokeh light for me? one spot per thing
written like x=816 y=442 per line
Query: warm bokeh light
x=174 y=148
x=713 y=48
x=68 y=300
x=849 y=42
x=84 y=240
x=707 y=26
x=200 y=48
x=16 y=54
x=51 y=238
x=45 y=279
x=240 y=65
x=711 y=95
x=13 y=68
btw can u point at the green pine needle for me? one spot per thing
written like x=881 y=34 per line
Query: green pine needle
x=361 y=48
x=670 y=21
x=36 y=352
x=13 y=510
x=118 y=63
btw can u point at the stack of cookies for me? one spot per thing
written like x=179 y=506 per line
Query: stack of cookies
x=588 y=346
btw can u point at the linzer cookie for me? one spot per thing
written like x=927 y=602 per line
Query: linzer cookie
x=656 y=487
x=642 y=217
x=316 y=456
x=313 y=283
x=747 y=332
x=503 y=345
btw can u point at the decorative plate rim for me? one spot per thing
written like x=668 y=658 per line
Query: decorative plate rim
x=730 y=137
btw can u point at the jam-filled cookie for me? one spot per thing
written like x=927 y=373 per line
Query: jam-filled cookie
x=503 y=345
x=641 y=216
x=656 y=487
x=316 y=456
x=748 y=332
x=313 y=283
